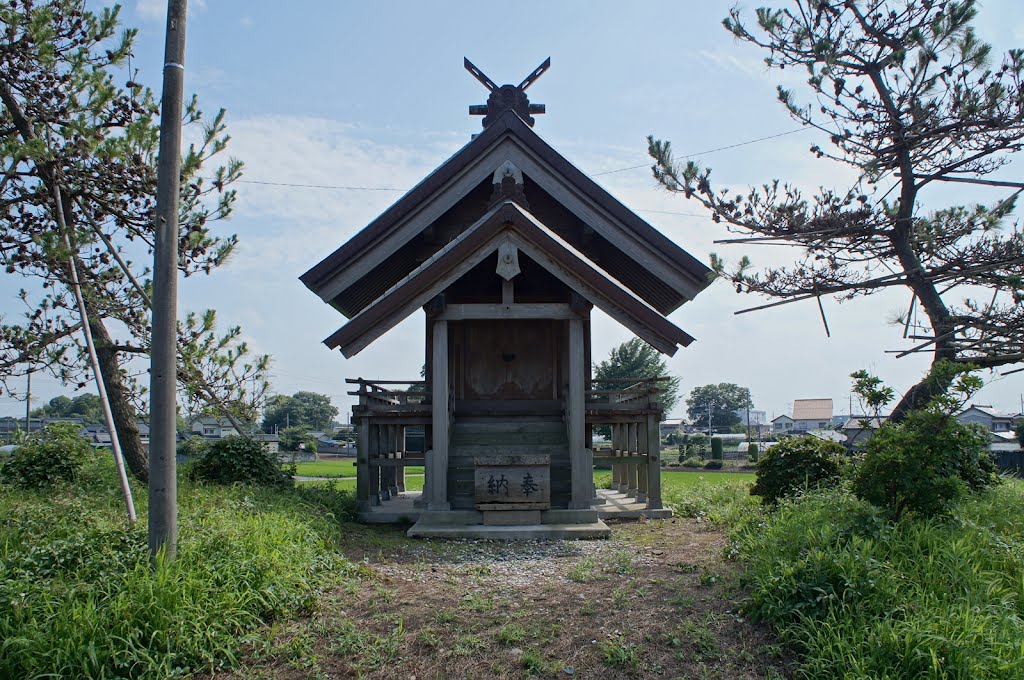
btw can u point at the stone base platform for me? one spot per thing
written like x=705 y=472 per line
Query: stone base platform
x=618 y=505
x=555 y=524
x=542 y=532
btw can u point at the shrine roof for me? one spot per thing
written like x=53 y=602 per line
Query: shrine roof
x=507 y=222
x=576 y=209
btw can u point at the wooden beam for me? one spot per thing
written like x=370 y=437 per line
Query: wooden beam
x=363 y=465
x=437 y=498
x=508 y=295
x=580 y=457
x=541 y=310
x=575 y=282
x=654 y=463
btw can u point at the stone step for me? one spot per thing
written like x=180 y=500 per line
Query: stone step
x=508 y=425
x=471 y=450
x=508 y=438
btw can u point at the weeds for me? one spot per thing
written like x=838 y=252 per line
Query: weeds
x=79 y=598
x=583 y=571
x=618 y=653
x=923 y=598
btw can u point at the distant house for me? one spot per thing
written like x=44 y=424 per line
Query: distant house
x=212 y=427
x=671 y=426
x=272 y=441
x=812 y=414
x=9 y=426
x=99 y=435
x=782 y=425
x=859 y=429
x=63 y=419
x=996 y=421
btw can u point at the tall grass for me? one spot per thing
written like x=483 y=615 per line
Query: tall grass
x=78 y=597
x=861 y=597
x=720 y=498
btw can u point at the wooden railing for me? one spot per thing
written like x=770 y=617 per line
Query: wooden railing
x=387 y=409
x=632 y=414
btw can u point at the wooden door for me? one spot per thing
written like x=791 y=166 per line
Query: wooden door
x=507 y=360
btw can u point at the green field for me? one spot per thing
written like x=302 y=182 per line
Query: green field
x=682 y=480
x=671 y=482
x=412 y=483
x=338 y=468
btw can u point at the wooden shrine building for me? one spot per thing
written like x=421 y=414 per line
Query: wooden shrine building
x=506 y=247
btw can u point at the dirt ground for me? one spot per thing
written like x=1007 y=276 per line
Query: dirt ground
x=657 y=599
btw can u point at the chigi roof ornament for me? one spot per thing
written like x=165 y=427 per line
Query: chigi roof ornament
x=506 y=97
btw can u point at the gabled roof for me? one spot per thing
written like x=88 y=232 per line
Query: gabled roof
x=603 y=230
x=858 y=423
x=989 y=411
x=812 y=409
x=780 y=418
x=506 y=222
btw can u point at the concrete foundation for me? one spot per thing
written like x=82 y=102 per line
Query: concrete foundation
x=552 y=524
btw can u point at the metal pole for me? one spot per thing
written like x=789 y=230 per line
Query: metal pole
x=163 y=482
x=101 y=388
x=28 y=403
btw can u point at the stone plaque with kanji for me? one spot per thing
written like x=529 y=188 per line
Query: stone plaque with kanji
x=512 y=482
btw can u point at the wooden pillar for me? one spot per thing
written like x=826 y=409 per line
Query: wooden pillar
x=363 y=465
x=437 y=496
x=393 y=454
x=402 y=453
x=638 y=440
x=374 y=468
x=580 y=458
x=631 y=468
x=653 y=463
x=620 y=479
x=616 y=468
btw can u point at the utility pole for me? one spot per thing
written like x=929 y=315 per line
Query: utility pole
x=748 y=422
x=28 y=402
x=710 y=405
x=163 y=481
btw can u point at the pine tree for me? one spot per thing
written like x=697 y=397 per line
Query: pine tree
x=77 y=146
x=908 y=97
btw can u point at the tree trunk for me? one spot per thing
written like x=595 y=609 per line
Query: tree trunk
x=918 y=396
x=125 y=423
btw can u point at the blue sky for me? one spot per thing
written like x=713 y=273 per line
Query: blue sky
x=374 y=95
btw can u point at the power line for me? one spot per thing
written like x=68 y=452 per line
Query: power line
x=701 y=153
x=598 y=174
x=318 y=186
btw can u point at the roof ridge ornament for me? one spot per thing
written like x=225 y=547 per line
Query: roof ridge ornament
x=506 y=97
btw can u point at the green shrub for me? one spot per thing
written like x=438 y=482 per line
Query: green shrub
x=716 y=448
x=859 y=596
x=45 y=458
x=78 y=598
x=194 y=447
x=924 y=464
x=240 y=460
x=713 y=464
x=796 y=464
x=693 y=461
x=752 y=452
x=292 y=437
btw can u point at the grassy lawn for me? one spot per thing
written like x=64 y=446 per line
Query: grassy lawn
x=78 y=597
x=284 y=584
x=672 y=483
x=327 y=468
x=681 y=480
x=339 y=468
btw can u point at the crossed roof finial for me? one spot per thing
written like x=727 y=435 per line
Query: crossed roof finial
x=507 y=97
